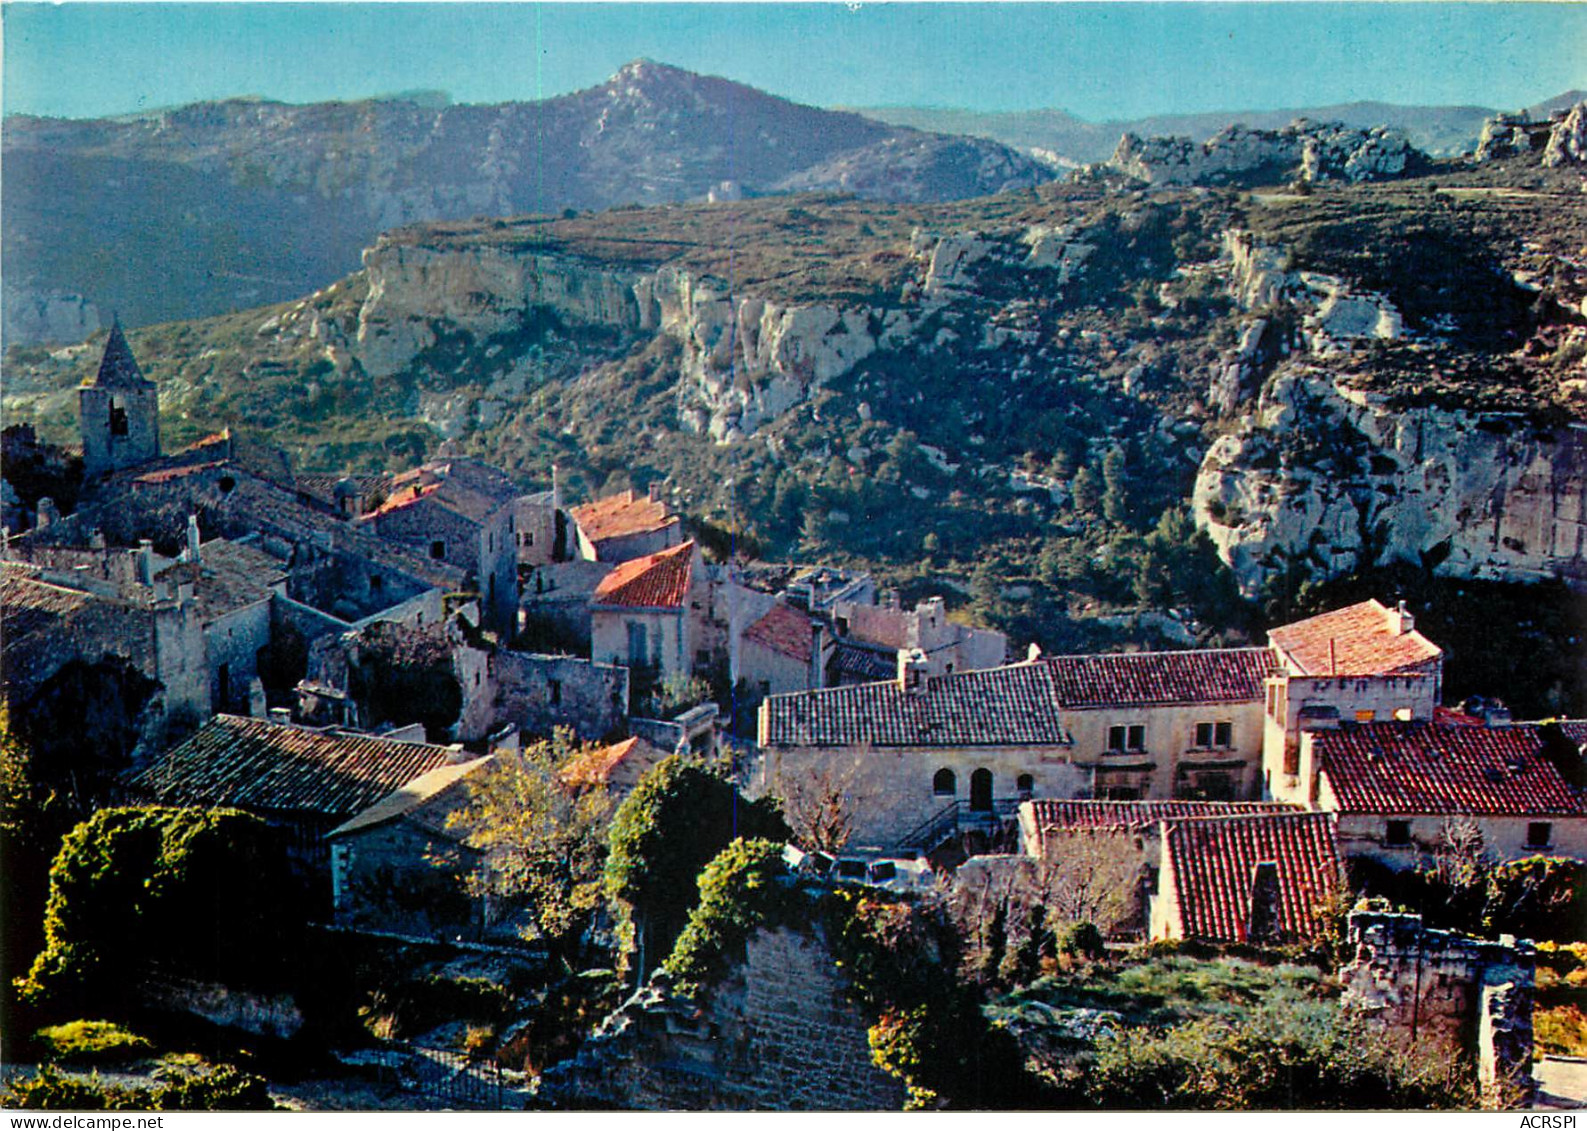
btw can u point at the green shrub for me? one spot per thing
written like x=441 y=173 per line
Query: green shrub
x=1083 y=939
x=743 y=888
x=220 y=1089
x=97 y=1042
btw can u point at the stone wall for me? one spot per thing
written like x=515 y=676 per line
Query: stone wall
x=542 y=692
x=778 y=1034
x=1447 y=994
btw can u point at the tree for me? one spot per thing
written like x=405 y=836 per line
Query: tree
x=1115 y=487
x=680 y=815
x=1086 y=491
x=190 y=890
x=821 y=805
x=543 y=841
x=1090 y=876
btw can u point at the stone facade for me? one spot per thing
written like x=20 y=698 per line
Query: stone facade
x=1171 y=761
x=1449 y=994
x=777 y=1034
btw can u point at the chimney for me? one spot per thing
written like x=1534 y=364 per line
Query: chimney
x=1264 y=923
x=1333 y=659
x=1401 y=622
x=281 y=716
x=146 y=562
x=1033 y=653
x=912 y=664
x=96 y=539
x=192 y=554
x=556 y=488
x=818 y=670
x=654 y=490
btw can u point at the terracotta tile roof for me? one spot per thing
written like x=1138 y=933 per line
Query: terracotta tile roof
x=595 y=767
x=618 y=515
x=1416 y=768
x=1009 y=706
x=258 y=765
x=1214 y=866
x=784 y=630
x=171 y=474
x=1211 y=675
x=427 y=800
x=1356 y=640
x=1049 y=813
x=234 y=575
x=656 y=581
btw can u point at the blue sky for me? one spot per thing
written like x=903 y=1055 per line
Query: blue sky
x=1098 y=60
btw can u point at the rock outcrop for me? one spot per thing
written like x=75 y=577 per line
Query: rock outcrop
x=1240 y=156
x=1339 y=480
x=1561 y=140
x=38 y=317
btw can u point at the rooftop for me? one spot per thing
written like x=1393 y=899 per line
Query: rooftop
x=467 y=488
x=1222 y=675
x=118 y=369
x=595 y=767
x=619 y=515
x=30 y=605
x=428 y=800
x=1008 y=706
x=1050 y=813
x=1415 y=768
x=784 y=630
x=258 y=765
x=234 y=575
x=1364 y=639
x=656 y=581
x=1214 y=862
x=861 y=662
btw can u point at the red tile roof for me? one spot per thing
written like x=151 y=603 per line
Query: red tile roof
x=784 y=630
x=595 y=767
x=1222 y=675
x=1213 y=865
x=1050 y=813
x=1415 y=768
x=618 y=515
x=1009 y=706
x=656 y=581
x=426 y=801
x=257 y=765
x=171 y=474
x=1357 y=640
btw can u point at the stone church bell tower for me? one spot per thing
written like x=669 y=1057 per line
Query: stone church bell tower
x=119 y=413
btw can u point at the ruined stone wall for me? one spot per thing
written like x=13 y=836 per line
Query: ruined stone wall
x=1447 y=994
x=540 y=693
x=778 y=1034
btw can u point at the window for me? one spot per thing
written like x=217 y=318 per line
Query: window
x=1120 y=793
x=1539 y=834
x=638 y=653
x=556 y=691
x=1127 y=737
x=1365 y=716
x=118 y=418
x=944 y=784
x=1397 y=834
x=765 y=688
x=1025 y=785
x=1223 y=734
x=376 y=583
x=438 y=550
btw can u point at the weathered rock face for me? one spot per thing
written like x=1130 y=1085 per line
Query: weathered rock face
x=1562 y=139
x=34 y=316
x=1335 y=478
x=778 y=1034
x=1237 y=155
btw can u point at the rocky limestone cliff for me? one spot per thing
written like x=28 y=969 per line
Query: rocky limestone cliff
x=1334 y=478
x=46 y=318
x=746 y=359
x=1237 y=155
x=1561 y=139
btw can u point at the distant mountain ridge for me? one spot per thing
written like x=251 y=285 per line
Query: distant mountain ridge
x=1440 y=131
x=221 y=205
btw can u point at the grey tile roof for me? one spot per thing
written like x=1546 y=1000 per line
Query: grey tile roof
x=1009 y=706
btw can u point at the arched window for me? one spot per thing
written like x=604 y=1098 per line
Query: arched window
x=944 y=784
x=1025 y=785
x=981 y=791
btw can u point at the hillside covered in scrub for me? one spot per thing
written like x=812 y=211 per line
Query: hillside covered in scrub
x=1058 y=403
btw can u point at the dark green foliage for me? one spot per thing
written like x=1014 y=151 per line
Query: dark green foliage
x=680 y=815
x=1083 y=939
x=1539 y=897
x=745 y=887
x=1305 y=1055
x=81 y=726
x=220 y=1089
x=196 y=893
